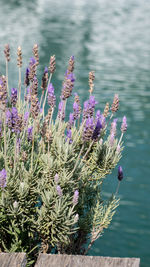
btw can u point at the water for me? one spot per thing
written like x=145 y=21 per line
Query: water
x=112 y=38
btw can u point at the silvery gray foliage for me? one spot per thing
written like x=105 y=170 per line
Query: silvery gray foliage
x=52 y=171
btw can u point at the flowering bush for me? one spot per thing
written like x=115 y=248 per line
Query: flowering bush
x=52 y=171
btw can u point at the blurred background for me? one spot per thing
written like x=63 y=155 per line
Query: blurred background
x=112 y=38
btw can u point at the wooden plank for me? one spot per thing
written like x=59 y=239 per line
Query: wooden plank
x=49 y=260
x=13 y=260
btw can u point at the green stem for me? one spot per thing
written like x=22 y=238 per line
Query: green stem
x=51 y=116
x=7 y=75
x=77 y=161
x=117 y=188
x=46 y=93
x=77 y=136
x=88 y=150
x=41 y=98
x=19 y=85
x=15 y=146
x=63 y=110
x=5 y=144
x=120 y=138
x=32 y=146
x=109 y=120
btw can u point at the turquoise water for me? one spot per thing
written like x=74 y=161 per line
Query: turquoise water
x=112 y=38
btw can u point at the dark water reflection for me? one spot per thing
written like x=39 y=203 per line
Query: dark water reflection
x=113 y=38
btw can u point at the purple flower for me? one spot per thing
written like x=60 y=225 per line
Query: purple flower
x=75 y=197
x=32 y=61
x=71 y=64
x=88 y=129
x=44 y=79
x=120 y=173
x=28 y=95
x=97 y=129
x=3 y=90
x=124 y=124
x=59 y=191
x=8 y=118
x=68 y=85
x=69 y=136
x=92 y=101
x=56 y=178
x=26 y=116
x=51 y=96
x=30 y=129
x=1 y=128
x=15 y=120
x=32 y=68
x=111 y=139
x=13 y=96
x=71 y=120
x=102 y=120
x=72 y=58
x=27 y=81
x=86 y=110
x=46 y=70
x=76 y=110
x=115 y=104
x=61 y=111
x=18 y=146
x=98 y=114
x=89 y=107
x=50 y=89
x=3 y=176
x=113 y=126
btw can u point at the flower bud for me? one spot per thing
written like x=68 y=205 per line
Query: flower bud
x=56 y=178
x=59 y=191
x=15 y=204
x=120 y=173
x=75 y=197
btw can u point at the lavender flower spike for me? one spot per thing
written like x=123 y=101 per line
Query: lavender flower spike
x=13 y=96
x=97 y=129
x=61 y=111
x=88 y=129
x=30 y=129
x=3 y=176
x=113 y=126
x=56 y=178
x=59 y=191
x=111 y=139
x=68 y=85
x=69 y=136
x=71 y=121
x=115 y=104
x=89 y=107
x=76 y=110
x=75 y=197
x=120 y=173
x=124 y=124
x=51 y=96
x=26 y=80
x=26 y=117
x=98 y=115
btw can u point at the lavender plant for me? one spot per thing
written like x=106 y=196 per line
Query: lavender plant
x=52 y=171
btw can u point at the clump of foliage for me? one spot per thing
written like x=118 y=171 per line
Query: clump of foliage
x=52 y=171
